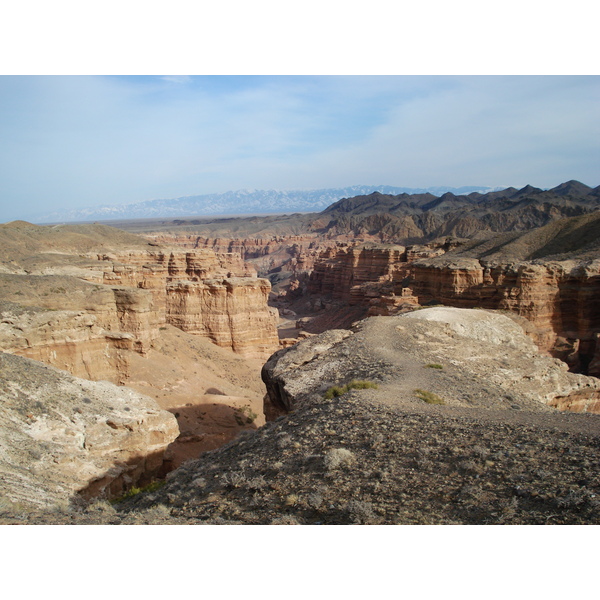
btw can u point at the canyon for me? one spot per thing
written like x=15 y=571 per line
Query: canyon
x=186 y=316
x=100 y=304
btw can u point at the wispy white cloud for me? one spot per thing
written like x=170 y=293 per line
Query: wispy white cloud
x=74 y=141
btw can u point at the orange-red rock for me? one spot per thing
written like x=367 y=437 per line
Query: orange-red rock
x=232 y=312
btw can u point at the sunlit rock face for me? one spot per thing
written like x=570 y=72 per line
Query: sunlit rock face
x=347 y=273
x=85 y=312
x=62 y=436
x=232 y=312
x=89 y=337
x=560 y=299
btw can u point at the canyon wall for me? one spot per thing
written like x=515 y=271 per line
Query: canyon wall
x=370 y=275
x=82 y=328
x=85 y=317
x=232 y=312
x=560 y=299
x=216 y=295
x=294 y=253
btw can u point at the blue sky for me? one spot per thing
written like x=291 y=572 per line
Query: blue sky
x=74 y=141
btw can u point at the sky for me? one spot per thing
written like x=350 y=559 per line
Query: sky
x=330 y=95
x=75 y=141
x=88 y=133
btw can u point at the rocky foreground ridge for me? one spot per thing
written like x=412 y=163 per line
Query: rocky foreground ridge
x=460 y=429
x=64 y=438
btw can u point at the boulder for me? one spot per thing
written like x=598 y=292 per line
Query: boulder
x=62 y=437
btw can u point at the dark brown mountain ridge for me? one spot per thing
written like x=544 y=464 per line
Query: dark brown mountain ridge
x=423 y=217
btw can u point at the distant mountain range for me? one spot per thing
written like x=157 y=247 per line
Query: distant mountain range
x=411 y=218
x=240 y=202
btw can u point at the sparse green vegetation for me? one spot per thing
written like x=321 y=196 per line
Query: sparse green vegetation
x=134 y=491
x=336 y=390
x=434 y=366
x=428 y=397
x=245 y=416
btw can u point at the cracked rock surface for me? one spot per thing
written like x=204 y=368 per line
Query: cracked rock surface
x=62 y=436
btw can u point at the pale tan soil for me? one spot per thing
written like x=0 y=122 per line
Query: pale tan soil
x=26 y=247
x=213 y=392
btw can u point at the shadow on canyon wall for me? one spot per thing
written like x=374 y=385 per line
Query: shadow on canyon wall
x=203 y=427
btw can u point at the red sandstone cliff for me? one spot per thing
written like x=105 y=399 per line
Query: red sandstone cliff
x=232 y=312
x=369 y=275
x=87 y=328
x=560 y=299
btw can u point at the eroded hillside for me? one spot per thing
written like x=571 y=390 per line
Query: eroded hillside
x=99 y=303
x=468 y=422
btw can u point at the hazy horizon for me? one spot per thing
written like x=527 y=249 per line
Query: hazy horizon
x=71 y=142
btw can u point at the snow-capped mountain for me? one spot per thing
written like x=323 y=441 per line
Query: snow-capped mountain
x=240 y=202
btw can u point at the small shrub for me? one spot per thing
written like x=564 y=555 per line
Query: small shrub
x=134 y=491
x=244 y=416
x=338 y=457
x=291 y=500
x=335 y=390
x=428 y=397
x=434 y=366
x=234 y=479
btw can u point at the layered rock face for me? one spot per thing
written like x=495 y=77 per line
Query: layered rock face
x=88 y=328
x=560 y=299
x=214 y=295
x=370 y=275
x=289 y=253
x=62 y=436
x=87 y=335
x=152 y=269
x=232 y=312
